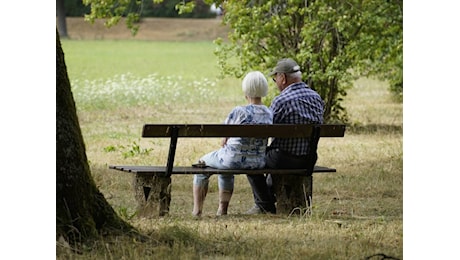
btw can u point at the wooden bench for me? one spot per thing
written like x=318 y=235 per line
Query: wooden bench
x=152 y=184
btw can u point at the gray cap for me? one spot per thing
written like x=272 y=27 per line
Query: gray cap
x=286 y=65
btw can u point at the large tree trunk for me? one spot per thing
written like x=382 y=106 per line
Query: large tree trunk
x=82 y=212
x=61 y=22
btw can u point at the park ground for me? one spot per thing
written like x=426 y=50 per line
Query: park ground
x=155 y=29
x=357 y=211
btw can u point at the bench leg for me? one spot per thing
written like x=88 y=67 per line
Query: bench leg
x=153 y=195
x=293 y=194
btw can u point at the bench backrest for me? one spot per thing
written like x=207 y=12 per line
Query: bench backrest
x=221 y=130
x=311 y=131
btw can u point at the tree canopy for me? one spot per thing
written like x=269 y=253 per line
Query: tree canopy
x=333 y=42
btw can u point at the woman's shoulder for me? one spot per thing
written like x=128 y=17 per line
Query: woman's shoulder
x=238 y=109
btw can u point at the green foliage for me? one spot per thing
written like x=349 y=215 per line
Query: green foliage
x=110 y=148
x=135 y=149
x=380 y=46
x=328 y=40
x=185 y=7
x=131 y=150
x=176 y=8
x=113 y=10
x=124 y=213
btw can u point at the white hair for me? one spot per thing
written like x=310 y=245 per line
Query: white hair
x=255 y=84
x=295 y=75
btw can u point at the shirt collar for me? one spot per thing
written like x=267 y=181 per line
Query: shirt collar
x=294 y=86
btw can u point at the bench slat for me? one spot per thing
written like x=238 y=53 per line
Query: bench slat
x=151 y=170
x=260 y=131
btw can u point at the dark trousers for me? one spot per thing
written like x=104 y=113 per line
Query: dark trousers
x=262 y=185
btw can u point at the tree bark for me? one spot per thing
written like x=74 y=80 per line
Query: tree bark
x=82 y=212
x=61 y=22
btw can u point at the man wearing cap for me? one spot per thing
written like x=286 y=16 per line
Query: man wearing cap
x=296 y=104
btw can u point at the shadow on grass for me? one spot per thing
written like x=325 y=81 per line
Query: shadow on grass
x=375 y=128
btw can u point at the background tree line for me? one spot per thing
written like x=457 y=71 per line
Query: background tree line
x=76 y=8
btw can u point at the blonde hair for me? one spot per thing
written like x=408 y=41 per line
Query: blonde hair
x=255 y=84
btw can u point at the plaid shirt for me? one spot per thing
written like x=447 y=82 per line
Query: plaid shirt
x=296 y=104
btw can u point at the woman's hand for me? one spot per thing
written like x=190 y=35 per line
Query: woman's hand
x=224 y=141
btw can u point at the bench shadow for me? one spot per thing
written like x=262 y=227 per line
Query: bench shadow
x=375 y=128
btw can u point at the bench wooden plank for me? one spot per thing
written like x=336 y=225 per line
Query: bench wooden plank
x=153 y=170
x=260 y=131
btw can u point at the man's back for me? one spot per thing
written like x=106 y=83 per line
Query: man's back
x=297 y=104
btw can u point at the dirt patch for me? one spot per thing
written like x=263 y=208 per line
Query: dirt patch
x=156 y=29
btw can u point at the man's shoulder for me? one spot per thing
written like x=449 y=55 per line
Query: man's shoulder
x=296 y=90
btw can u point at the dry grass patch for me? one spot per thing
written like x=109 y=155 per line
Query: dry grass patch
x=357 y=211
x=157 y=29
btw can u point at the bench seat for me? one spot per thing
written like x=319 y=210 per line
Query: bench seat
x=159 y=170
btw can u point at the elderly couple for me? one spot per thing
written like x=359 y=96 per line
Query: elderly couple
x=296 y=104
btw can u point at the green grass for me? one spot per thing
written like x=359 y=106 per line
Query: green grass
x=120 y=85
x=90 y=60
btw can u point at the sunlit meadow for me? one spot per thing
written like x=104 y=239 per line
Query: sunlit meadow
x=357 y=212
x=127 y=90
